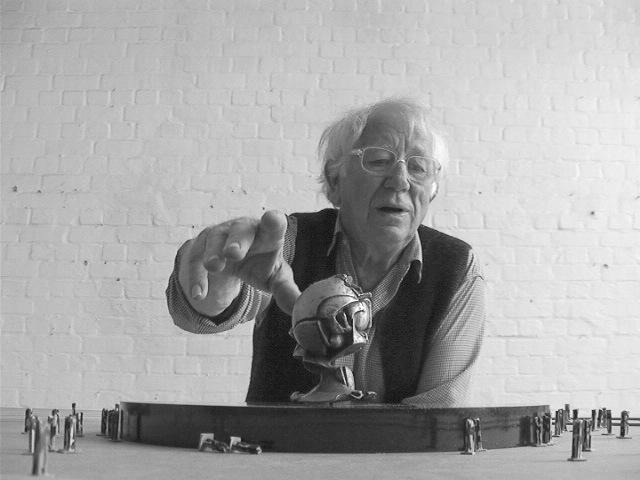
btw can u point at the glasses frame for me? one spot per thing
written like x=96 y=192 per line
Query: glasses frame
x=359 y=152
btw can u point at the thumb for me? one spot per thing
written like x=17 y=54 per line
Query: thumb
x=192 y=274
x=198 y=287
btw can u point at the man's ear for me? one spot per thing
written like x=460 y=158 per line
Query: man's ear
x=334 y=191
x=434 y=190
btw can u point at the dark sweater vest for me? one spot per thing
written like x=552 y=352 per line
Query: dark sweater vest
x=405 y=326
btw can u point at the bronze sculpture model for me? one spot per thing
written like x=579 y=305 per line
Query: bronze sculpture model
x=576 y=441
x=469 y=437
x=42 y=435
x=330 y=320
x=624 y=425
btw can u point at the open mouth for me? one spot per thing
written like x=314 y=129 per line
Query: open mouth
x=391 y=210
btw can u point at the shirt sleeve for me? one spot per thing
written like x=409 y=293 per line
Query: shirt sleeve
x=446 y=373
x=245 y=307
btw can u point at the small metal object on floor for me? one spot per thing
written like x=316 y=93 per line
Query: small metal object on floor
x=586 y=438
x=478 y=439
x=576 y=443
x=80 y=424
x=608 y=423
x=624 y=426
x=236 y=445
x=558 y=423
x=113 y=424
x=51 y=444
x=42 y=435
x=30 y=426
x=599 y=420
x=104 y=415
x=469 y=437
x=55 y=414
x=27 y=419
x=209 y=443
x=69 y=435
x=536 y=431
x=546 y=430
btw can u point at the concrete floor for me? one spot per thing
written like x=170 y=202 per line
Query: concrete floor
x=99 y=458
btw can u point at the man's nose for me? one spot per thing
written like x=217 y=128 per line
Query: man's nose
x=398 y=177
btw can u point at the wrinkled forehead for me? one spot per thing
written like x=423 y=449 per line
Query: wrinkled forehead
x=398 y=131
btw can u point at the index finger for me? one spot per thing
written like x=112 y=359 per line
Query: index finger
x=240 y=238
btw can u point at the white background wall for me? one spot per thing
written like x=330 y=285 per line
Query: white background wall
x=127 y=126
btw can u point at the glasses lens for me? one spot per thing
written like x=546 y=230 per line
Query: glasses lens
x=378 y=160
x=422 y=167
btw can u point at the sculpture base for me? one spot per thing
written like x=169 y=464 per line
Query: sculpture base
x=336 y=385
x=344 y=427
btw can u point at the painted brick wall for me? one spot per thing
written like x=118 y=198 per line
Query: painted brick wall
x=127 y=126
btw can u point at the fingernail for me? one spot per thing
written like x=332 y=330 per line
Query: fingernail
x=232 y=246
x=196 y=292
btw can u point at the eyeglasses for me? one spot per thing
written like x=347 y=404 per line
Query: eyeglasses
x=380 y=161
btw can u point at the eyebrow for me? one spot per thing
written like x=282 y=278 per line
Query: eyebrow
x=393 y=140
x=412 y=151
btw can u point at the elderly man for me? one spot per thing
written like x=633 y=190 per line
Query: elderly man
x=381 y=169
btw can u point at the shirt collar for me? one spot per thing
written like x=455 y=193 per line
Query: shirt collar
x=411 y=255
